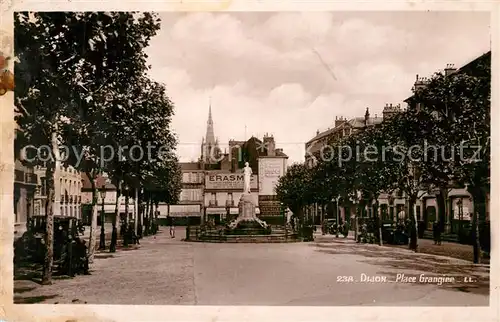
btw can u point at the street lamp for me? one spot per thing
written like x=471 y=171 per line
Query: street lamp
x=126 y=203
x=102 y=241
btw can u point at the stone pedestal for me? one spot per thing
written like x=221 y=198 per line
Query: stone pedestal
x=247 y=222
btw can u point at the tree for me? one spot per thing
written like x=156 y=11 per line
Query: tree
x=110 y=62
x=373 y=168
x=75 y=68
x=406 y=133
x=460 y=107
x=42 y=98
x=293 y=189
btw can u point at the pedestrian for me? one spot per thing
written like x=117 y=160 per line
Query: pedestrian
x=438 y=232
x=81 y=255
x=170 y=223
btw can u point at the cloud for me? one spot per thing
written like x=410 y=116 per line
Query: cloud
x=291 y=74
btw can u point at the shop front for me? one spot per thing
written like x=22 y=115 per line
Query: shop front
x=182 y=215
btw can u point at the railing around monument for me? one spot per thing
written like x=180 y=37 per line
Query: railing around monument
x=216 y=233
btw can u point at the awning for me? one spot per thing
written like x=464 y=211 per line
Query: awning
x=180 y=215
x=184 y=209
x=216 y=211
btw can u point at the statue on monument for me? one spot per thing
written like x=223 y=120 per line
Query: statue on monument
x=247 y=219
x=247 y=171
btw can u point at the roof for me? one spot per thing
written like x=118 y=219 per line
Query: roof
x=465 y=68
x=357 y=122
x=100 y=181
x=281 y=154
x=186 y=166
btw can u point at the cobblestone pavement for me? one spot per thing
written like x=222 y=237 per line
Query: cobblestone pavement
x=169 y=271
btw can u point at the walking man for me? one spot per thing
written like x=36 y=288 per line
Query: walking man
x=170 y=223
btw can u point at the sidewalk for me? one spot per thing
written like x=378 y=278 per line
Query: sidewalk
x=426 y=246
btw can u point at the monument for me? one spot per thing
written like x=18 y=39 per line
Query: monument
x=247 y=222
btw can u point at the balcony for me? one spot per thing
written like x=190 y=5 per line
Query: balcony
x=229 y=203
x=212 y=203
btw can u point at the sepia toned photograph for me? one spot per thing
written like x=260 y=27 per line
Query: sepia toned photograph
x=251 y=158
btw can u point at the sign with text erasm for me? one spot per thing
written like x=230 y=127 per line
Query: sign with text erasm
x=228 y=181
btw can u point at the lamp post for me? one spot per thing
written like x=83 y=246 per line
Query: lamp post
x=460 y=214
x=125 y=224
x=141 y=213
x=391 y=206
x=338 y=222
x=102 y=241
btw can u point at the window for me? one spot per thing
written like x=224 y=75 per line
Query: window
x=43 y=191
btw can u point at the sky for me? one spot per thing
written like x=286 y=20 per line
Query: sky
x=290 y=74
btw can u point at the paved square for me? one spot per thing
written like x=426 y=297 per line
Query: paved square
x=169 y=271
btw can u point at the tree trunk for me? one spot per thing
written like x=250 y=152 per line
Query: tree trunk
x=413 y=228
x=379 y=216
x=50 y=174
x=136 y=210
x=146 y=223
x=443 y=209
x=476 y=245
x=478 y=204
x=155 y=220
x=151 y=212
x=114 y=234
x=93 y=226
x=127 y=208
x=355 y=219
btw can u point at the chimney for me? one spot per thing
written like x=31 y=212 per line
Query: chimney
x=269 y=145
x=339 y=121
x=450 y=69
x=390 y=110
x=317 y=132
x=420 y=82
x=367 y=116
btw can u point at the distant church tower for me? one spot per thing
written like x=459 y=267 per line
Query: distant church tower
x=210 y=151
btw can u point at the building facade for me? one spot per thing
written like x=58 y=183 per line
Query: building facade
x=68 y=187
x=25 y=185
x=102 y=183
x=390 y=206
x=454 y=207
x=191 y=201
x=223 y=190
x=219 y=180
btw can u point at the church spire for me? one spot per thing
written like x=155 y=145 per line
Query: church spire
x=210 y=146
x=210 y=137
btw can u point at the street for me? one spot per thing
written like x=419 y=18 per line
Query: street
x=163 y=270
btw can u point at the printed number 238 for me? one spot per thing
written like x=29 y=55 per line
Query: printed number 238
x=345 y=279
